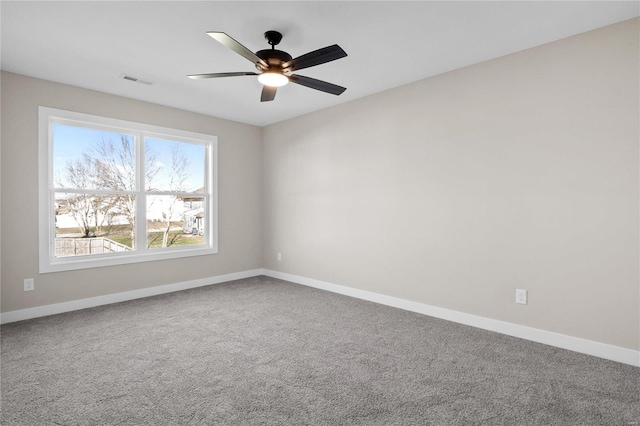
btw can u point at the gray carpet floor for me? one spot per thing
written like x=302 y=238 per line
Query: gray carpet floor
x=262 y=351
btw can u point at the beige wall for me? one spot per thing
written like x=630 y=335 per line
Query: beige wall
x=240 y=153
x=520 y=172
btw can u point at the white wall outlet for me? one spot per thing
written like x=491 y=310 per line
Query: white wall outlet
x=521 y=296
x=29 y=284
x=279 y=257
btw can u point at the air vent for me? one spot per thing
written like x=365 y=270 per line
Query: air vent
x=134 y=79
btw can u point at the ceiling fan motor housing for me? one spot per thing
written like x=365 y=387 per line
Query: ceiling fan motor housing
x=275 y=58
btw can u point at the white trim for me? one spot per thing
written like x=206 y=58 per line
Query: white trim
x=211 y=189
x=111 y=259
x=576 y=344
x=58 y=308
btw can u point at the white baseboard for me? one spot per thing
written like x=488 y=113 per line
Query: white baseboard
x=576 y=344
x=91 y=302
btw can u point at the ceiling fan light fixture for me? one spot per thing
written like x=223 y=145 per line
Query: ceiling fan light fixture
x=273 y=79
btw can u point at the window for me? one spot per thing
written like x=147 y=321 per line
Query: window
x=115 y=192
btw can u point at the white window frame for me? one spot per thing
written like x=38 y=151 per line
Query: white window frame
x=47 y=231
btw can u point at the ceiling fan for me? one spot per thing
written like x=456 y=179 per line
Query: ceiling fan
x=275 y=66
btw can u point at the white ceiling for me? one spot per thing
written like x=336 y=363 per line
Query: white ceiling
x=90 y=44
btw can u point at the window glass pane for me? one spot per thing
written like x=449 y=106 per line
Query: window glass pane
x=174 y=166
x=89 y=224
x=174 y=221
x=93 y=159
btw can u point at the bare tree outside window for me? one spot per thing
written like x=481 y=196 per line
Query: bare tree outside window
x=107 y=165
x=174 y=172
x=79 y=174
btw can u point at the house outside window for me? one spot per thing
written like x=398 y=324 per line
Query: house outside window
x=115 y=192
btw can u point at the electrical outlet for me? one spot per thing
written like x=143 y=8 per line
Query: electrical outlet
x=279 y=257
x=29 y=284
x=521 y=296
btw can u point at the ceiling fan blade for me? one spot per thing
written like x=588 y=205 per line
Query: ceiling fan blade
x=317 y=57
x=268 y=93
x=237 y=47
x=323 y=86
x=220 y=74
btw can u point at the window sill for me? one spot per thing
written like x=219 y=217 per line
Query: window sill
x=97 y=261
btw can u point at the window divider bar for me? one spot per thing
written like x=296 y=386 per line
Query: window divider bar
x=94 y=191
x=177 y=193
x=141 y=199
